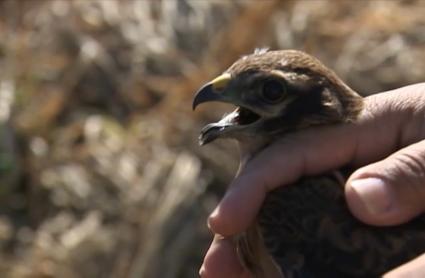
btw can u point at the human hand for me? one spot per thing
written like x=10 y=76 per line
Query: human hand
x=387 y=143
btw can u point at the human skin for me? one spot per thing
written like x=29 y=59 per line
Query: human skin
x=387 y=146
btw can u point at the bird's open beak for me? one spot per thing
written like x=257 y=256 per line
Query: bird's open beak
x=212 y=91
x=218 y=90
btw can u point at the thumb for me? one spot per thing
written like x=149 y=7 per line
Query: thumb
x=391 y=191
x=413 y=268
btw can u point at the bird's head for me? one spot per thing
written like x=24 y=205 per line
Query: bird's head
x=277 y=92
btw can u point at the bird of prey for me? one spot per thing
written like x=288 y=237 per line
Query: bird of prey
x=304 y=229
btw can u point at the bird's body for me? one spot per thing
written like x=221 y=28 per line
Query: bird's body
x=304 y=229
x=310 y=232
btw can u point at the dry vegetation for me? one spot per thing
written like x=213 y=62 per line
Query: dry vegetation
x=100 y=172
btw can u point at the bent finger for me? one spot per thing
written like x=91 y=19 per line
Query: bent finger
x=221 y=260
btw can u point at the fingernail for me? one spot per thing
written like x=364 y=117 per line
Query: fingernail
x=212 y=216
x=201 y=270
x=208 y=224
x=375 y=195
x=214 y=213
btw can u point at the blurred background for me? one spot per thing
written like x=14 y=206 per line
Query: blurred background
x=100 y=171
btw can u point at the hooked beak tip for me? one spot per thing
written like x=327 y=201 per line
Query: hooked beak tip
x=206 y=93
x=212 y=91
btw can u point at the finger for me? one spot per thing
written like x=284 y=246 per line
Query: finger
x=391 y=191
x=414 y=268
x=282 y=163
x=221 y=260
x=315 y=151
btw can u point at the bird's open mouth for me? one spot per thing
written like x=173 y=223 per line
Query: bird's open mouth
x=239 y=118
x=245 y=116
x=231 y=125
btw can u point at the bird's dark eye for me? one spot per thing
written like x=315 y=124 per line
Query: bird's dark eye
x=273 y=91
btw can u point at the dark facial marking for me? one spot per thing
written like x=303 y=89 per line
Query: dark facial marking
x=305 y=105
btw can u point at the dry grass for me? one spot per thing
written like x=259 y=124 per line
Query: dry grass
x=100 y=171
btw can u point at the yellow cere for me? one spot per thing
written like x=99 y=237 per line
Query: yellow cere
x=221 y=81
